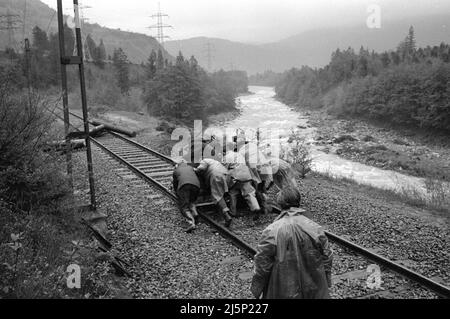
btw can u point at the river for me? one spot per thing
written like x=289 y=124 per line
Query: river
x=261 y=110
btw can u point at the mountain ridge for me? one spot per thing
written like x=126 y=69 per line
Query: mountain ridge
x=313 y=47
x=137 y=46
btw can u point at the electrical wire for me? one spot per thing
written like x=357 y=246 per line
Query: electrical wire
x=51 y=20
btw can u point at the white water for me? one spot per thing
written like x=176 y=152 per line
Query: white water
x=262 y=111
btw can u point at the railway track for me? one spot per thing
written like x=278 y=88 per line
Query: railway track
x=156 y=169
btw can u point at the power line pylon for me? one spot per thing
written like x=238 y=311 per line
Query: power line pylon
x=209 y=54
x=83 y=21
x=10 y=22
x=160 y=26
x=83 y=33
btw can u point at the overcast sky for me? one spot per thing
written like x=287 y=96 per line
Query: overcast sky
x=254 y=21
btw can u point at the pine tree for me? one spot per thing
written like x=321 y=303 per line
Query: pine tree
x=120 y=63
x=180 y=59
x=99 y=55
x=193 y=63
x=411 y=41
x=69 y=40
x=402 y=50
x=102 y=51
x=150 y=67
x=160 y=60
x=86 y=53
x=385 y=59
x=40 y=40
x=40 y=68
x=363 y=63
x=407 y=48
x=395 y=57
x=91 y=46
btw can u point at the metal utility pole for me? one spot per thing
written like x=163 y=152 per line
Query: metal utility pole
x=9 y=22
x=160 y=26
x=70 y=60
x=84 y=103
x=209 y=56
x=62 y=54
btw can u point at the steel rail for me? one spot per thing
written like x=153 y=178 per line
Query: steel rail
x=222 y=230
x=437 y=288
x=431 y=285
x=144 y=148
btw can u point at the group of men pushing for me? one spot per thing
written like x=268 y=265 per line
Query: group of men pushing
x=294 y=258
x=236 y=175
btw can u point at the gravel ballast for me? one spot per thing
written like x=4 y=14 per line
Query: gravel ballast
x=147 y=231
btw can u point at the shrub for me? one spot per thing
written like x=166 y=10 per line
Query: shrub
x=298 y=153
x=35 y=227
x=28 y=177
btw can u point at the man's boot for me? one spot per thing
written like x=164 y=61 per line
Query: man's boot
x=191 y=222
x=227 y=218
x=194 y=212
x=233 y=205
x=258 y=214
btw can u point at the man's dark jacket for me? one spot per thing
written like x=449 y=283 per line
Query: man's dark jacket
x=184 y=175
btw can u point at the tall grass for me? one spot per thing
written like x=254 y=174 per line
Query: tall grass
x=434 y=196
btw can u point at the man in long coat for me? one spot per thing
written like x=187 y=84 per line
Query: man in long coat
x=283 y=174
x=240 y=182
x=294 y=258
x=261 y=173
x=215 y=176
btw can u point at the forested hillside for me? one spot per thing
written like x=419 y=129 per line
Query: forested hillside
x=267 y=78
x=137 y=46
x=185 y=91
x=181 y=90
x=406 y=86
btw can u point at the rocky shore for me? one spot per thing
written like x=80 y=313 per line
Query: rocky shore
x=382 y=147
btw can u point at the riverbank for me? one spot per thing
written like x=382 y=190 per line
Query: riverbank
x=219 y=120
x=330 y=135
x=382 y=147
